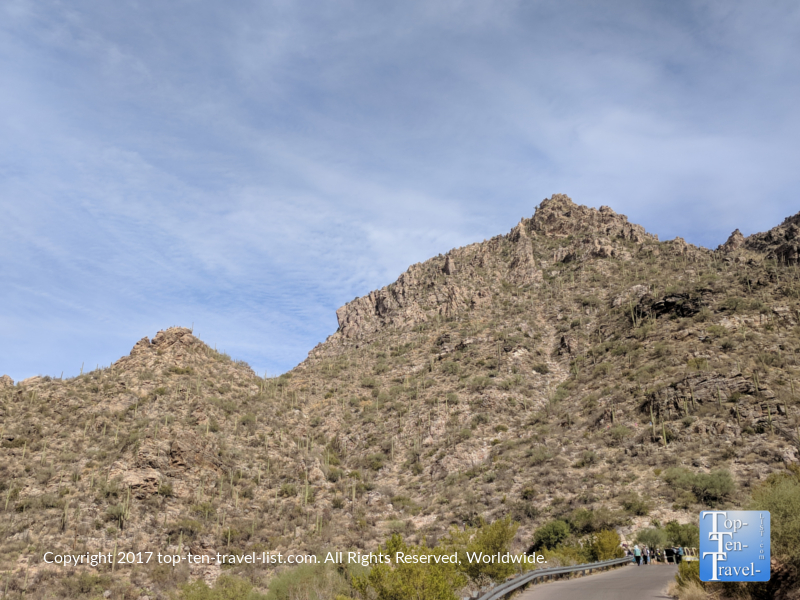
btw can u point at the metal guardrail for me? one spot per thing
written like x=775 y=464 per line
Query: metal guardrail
x=504 y=589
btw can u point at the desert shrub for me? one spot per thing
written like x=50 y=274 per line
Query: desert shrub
x=688 y=573
x=619 y=433
x=605 y=545
x=636 y=505
x=380 y=368
x=550 y=535
x=181 y=370
x=540 y=455
x=587 y=459
x=50 y=501
x=375 y=461
x=116 y=512
x=424 y=581
x=188 y=527
x=204 y=509
x=687 y=534
x=582 y=520
x=653 y=537
x=479 y=419
x=710 y=488
x=287 y=490
x=541 y=368
x=451 y=368
x=567 y=554
x=489 y=539
x=524 y=510
x=780 y=495
x=315 y=582
x=226 y=587
x=479 y=383
x=84 y=584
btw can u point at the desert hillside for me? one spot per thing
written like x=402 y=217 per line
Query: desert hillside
x=576 y=368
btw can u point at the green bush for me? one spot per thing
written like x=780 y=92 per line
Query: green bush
x=550 y=535
x=375 y=461
x=288 y=490
x=189 y=528
x=780 y=495
x=688 y=573
x=450 y=367
x=653 y=537
x=605 y=545
x=619 y=432
x=582 y=520
x=82 y=584
x=477 y=384
x=540 y=455
x=687 y=534
x=587 y=459
x=421 y=581
x=636 y=505
x=709 y=488
x=314 y=582
x=489 y=539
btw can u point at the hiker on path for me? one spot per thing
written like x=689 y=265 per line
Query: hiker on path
x=646 y=555
x=637 y=554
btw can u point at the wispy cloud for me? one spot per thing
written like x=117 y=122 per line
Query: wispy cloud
x=250 y=168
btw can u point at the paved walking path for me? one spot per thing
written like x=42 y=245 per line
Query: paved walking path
x=622 y=583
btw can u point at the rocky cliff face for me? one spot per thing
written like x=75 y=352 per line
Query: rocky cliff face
x=462 y=279
x=781 y=243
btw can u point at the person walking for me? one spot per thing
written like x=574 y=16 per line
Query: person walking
x=680 y=554
x=646 y=555
x=637 y=554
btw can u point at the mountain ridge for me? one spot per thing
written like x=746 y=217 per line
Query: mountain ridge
x=559 y=371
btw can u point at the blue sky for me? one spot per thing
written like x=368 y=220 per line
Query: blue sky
x=249 y=167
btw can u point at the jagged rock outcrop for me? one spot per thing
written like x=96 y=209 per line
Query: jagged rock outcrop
x=421 y=293
x=560 y=217
x=781 y=243
x=6 y=382
x=734 y=242
x=702 y=388
x=449 y=266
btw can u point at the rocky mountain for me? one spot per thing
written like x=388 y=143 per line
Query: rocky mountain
x=573 y=369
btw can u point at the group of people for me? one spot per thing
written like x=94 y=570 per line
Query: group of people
x=641 y=555
x=644 y=555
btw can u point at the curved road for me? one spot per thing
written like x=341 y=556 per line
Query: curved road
x=623 y=583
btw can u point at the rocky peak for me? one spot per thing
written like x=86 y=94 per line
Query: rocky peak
x=6 y=381
x=174 y=345
x=781 y=243
x=173 y=337
x=734 y=242
x=465 y=277
x=559 y=216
